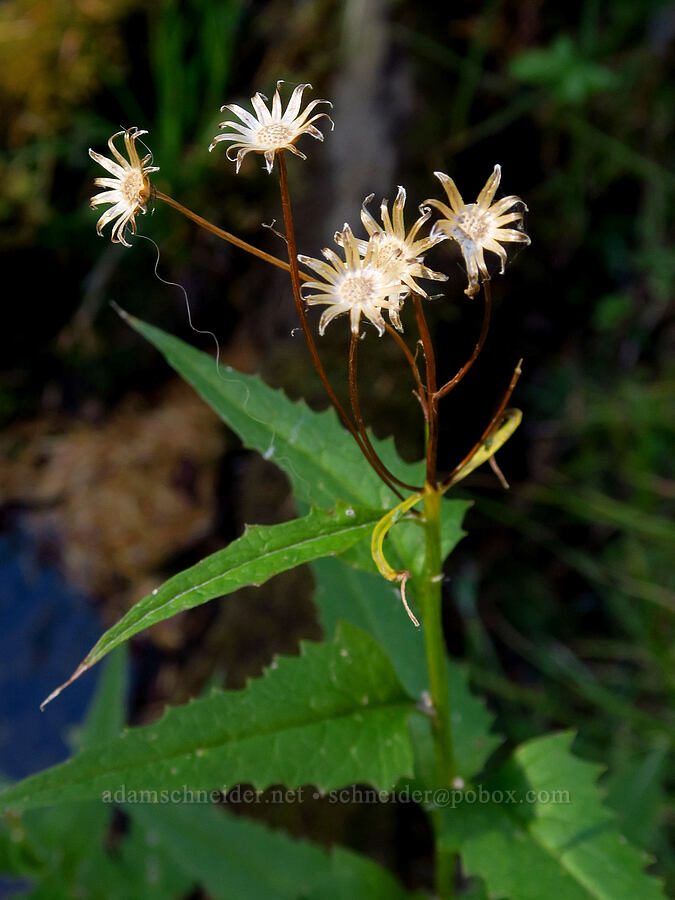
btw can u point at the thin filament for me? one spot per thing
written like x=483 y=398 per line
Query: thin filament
x=188 y=308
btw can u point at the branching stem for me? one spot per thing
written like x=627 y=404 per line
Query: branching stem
x=356 y=409
x=432 y=402
x=421 y=392
x=429 y=395
x=454 y=381
x=491 y=426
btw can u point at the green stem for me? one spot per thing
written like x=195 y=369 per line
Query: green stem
x=430 y=597
x=430 y=602
x=444 y=877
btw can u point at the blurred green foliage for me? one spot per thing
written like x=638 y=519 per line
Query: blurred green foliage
x=563 y=70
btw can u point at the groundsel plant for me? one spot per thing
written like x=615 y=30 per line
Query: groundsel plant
x=377 y=703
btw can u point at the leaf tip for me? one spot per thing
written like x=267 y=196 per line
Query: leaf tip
x=122 y=313
x=55 y=693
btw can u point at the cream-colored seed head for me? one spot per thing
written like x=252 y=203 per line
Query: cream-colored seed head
x=401 y=253
x=270 y=130
x=479 y=226
x=129 y=188
x=356 y=286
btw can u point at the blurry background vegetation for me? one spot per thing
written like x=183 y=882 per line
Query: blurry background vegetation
x=560 y=599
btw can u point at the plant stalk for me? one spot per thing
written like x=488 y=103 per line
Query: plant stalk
x=420 y=391
x=358 y=418
x=430 y=595
x=219 y=232
x=444 y=874
x=453 y=382
x=432 y=402
x=430 y=601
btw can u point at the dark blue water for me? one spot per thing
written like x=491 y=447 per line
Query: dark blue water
x=46 y=628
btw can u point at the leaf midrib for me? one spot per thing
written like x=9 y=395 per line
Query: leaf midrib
x=121 y=636
x=559 y=859
x=401 y=706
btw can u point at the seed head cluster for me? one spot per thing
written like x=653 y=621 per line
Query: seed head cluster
x=379 y=271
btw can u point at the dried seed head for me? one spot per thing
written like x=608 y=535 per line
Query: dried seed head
x=129 y=188
x=479 y=226
x=270 y=130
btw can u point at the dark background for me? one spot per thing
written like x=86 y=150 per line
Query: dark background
x=113 y=476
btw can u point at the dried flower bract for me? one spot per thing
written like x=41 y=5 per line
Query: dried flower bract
x=479 y=226
x=270 y=130
x=129 y=188
x=356 y=286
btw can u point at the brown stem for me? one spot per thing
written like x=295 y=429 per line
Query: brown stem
x=493 y=421
x=356 y=409
x=375 y=462
x=432 y=402
x=449 y=385
x=421 y=392
x=224 y=235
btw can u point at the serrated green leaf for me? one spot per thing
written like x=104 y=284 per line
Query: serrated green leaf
x=261 y=552
x=374 y=604
x=171 y=847
x=539 y=829
x=320 y=458
x=227 y=856
x=314 y=719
